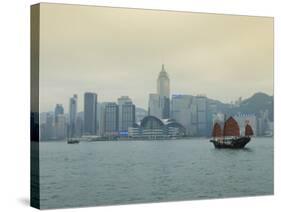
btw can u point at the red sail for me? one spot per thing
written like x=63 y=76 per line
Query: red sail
x=217 y=130
x=231 y=128
x=248 y=130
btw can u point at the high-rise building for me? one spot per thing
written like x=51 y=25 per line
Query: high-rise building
x=194 y=117
x=128 y=118
x=159 y=104
x=58 y=111
x=201 y=101
x=109 y=119
x=72 y=115
x=127 y=113
x=154 y=106
x=61 y=127
x=101 y=110
x=181 y=111
x=50 y=126
x=262 y=122
x=79 y=124
x=90 y=113
x=163 y=83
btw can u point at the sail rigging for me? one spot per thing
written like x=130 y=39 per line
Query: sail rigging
x=217 y=132
x=231 y=128
x=248 y=130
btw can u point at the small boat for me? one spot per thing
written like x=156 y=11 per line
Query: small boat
x=230 y=136
x=73 y=141
x=70 y=135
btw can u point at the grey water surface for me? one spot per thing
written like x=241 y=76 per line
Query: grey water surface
x=123 y=172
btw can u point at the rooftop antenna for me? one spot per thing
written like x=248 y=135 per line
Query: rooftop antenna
x=163 y=67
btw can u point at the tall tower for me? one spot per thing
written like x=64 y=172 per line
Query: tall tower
x=72 y=114
x=127 y=113
x=90 y=113
x=163 y=91
x=163 y=83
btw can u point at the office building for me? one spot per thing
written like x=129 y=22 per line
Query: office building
x=201 y=102
x=181 y=111
x=58 y=111
x=72 y=115
x=109 y=119
x=61 y=127
x=90 y=113
x=127 y=113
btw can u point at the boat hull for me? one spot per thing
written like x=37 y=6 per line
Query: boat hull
x=233 y=143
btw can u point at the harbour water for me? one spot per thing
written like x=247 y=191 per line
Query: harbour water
x=124 y=172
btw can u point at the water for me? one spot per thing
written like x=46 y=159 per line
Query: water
x=106 y=173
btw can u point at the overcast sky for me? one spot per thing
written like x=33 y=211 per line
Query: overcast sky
x=114 y=52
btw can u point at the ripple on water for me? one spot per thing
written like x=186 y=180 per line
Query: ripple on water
x=116 y=172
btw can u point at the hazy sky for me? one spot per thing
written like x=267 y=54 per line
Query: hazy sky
x=114 y=52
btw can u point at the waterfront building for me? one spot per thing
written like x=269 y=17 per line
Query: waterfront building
x=79 y=124
x=109 y=119
x=58 y=111
x=135 y=131
x=61 y=127
x=192 y=113
x=181 y=111
x=201 y=102
x=72 y=115
x=153 y=128
x=127 y=114
x=49 y=127
x=263 y=122
x=90 y=113
x=194 y=118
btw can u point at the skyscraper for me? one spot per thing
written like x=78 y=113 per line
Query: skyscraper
x=72 y=115
x=201 y=101
x=163 y=90
x=159 y=104
x=181 y=111
x=154 y=106
x=109 y=119
x=58 y=111
x=163 y=83
x=90 y=113
x=50 y=126
x=127 y=113
x=58 y=125
x=61 y=127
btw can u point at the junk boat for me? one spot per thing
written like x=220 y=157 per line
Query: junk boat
x=230 y=136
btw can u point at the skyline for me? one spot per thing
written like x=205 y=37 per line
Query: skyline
x=81 y=101
x=116 y=51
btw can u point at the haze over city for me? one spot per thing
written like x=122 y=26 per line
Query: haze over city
x=116 y=52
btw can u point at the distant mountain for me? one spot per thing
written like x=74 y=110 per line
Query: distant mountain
x=256 y=103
